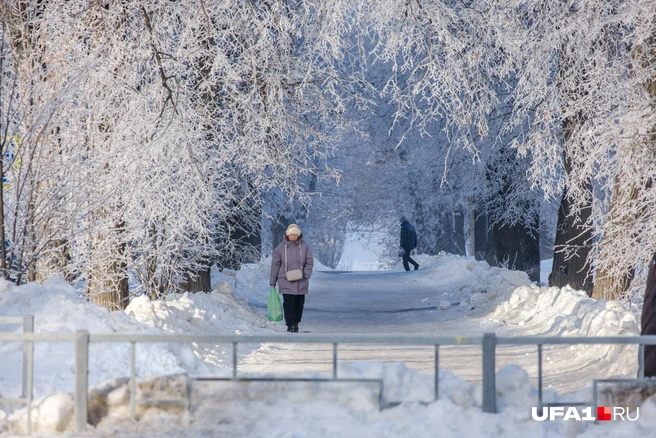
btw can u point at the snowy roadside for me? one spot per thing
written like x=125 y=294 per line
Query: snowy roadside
x=511 y=302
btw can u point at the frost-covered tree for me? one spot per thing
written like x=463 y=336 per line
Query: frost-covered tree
x=415 y=163
x=182 y=116
x=575 y=65
x=153 y=135
x=42 y=194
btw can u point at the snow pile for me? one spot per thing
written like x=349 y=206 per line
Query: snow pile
x=58 y=308
x=569 y=313
x=551 y=311
x=464 y=288
x=468 y=282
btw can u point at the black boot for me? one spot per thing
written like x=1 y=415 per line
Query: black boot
x=295 y=328
x=290 y=328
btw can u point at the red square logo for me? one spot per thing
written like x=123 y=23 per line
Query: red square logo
x=603 y=413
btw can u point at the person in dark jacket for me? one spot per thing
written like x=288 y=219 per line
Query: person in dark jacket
x=292 y=254
x=648 y=319
x=408 y=243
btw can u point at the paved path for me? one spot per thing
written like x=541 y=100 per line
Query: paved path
x=400 y=303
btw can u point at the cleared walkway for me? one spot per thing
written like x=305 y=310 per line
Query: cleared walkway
x=404 y=303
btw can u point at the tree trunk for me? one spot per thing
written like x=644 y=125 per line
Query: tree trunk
x=244 y=233
x=609 y=286
x=278 y=229
x=445 y=240
x=107 y=292
x=513 y=243
x=573 y=235
x=471 y=223
x=107 y=284
x=515 y=247
x=571 y=249
x=56 y=260
x=3 y=237
x=452 y=240
x=480 y=235
x=198 y=282
x=459 y=244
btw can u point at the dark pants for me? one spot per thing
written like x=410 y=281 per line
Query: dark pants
x=293 y=306
x=407 y=259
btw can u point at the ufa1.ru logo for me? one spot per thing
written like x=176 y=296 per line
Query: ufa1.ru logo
x=604 y=413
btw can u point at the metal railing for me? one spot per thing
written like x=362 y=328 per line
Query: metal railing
x=540 y=341
x=488 y=343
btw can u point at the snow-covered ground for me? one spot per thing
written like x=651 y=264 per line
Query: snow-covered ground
x=466 y=291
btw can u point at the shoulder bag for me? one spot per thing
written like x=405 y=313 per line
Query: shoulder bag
x=294 y=274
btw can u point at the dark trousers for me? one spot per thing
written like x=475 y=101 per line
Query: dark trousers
x=407 y=259
x=293 y=306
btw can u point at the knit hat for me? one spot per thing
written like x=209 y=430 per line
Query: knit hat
x=403 y=219
x=293 y=229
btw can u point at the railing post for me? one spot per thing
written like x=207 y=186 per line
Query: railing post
x=28 y=369
x=540 y=375
x=234 y=360
x=28 y=351
x=133 y=381
x=437 y=372
x=334 y=360
x=81 y=379
x=489 y=384
x=641 y=361
x=595 y=401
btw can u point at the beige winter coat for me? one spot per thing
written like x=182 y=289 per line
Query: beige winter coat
x=299 y=256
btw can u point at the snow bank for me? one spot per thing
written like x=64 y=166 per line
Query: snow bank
x=505 y=298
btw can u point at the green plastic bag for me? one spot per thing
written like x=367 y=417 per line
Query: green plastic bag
x=274 y=308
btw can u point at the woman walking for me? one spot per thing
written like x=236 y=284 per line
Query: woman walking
x=291 y=268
